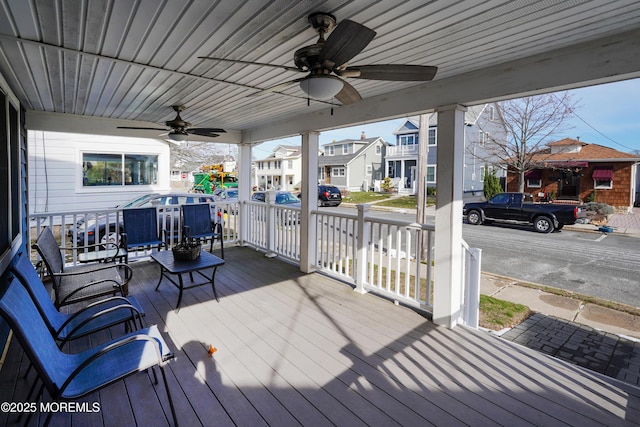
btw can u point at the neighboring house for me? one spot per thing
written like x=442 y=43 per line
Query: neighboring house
x=352 y=164
x=577 y=171
x=482 y=124
x=281 y=170
x=82 y=172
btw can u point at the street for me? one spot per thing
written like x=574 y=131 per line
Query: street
x=604 y=266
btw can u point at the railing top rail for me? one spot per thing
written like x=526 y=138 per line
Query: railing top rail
x=398 y=223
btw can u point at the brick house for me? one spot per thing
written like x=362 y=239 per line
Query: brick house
x=572 y=170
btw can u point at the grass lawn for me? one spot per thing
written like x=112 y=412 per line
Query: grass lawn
x=406 y=202
x=497 y=314
x=365 y=197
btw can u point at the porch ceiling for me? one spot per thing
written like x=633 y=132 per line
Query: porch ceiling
x=132 y=60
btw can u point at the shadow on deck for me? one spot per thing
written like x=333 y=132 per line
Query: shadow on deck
x=296 y=349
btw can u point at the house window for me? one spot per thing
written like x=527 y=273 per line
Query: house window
x=289 y=164
x=431 y=174
x=119 y=169
x=432 y=136
x=484 y=136
x=407 y=139
x=332 y=150
x=321 y=173
x=378 y=149
x=481 y=173
x=369 y=169
x=276 y=164
x=603 y=178
x=534 y=178
x=345 y=149
x=337 y=171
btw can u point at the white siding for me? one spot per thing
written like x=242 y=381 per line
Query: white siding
x=55 y=170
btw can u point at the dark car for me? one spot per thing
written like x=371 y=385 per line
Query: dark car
x=107 y=227
x=329 y=195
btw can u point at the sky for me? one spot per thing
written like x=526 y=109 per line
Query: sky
x=607 y=114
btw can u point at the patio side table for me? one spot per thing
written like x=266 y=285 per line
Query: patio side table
x=170 y=267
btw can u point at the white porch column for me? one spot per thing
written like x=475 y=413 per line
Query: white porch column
x=309 y=188
x=449 y=258
x=244 y=189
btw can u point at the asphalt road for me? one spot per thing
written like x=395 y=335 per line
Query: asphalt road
x=605 y=266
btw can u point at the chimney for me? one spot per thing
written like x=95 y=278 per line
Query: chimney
x=363 y=135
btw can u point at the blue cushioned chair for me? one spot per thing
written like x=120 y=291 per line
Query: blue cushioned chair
x=92 y=318
x=197 y=224
x=141 y=229
x=72 y=376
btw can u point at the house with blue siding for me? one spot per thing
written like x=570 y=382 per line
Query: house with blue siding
x=482 y=125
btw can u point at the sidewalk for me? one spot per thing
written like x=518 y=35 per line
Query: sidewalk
x=589 y=335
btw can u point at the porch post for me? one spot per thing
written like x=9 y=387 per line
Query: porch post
x=308 y=242
x=244 y=190
x=449 y=259
x=361 y=251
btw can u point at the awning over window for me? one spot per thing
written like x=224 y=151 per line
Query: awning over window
x=533 y=174
x=602 y=173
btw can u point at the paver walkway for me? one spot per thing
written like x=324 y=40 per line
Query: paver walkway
x=600 y=351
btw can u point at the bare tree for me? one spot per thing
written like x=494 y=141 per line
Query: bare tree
x=191 y=155
x=531 y=123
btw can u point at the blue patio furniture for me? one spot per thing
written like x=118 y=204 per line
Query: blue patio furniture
x=77 y=284
x=141 y=229
x=95 y=317
x=72 y=376
x=197 y=224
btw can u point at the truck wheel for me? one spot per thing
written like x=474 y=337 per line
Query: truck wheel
x=543 y=224
x=474 y=217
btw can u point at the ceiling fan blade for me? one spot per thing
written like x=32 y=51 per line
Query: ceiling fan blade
x=130 y=127
x=348 y=94
x=279 y=87
x=346 y=41
x=212 y=132
x=237 y=61
x=401 y=73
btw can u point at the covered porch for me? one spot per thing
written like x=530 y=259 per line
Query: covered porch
x=304 y=349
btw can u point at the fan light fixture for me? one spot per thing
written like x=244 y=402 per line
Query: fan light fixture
x=178 y=136
x=321 y=87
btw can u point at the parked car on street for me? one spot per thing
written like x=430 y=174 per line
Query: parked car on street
x=228 y=198
x=282 y=198
x=107 y=227
x=519 y=208
x=328 y=195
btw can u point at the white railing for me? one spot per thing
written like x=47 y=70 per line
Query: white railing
x=275 y=229
x=394 y=259
x=387 y=257
x=391 y=258
x=84 y=228
x=401 y=150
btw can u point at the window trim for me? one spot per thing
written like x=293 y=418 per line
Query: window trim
x=123 y=169
x=603 y=186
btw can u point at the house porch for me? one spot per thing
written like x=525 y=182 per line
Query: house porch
x=304 y=349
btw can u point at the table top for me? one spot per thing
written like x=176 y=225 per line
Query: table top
x=205 y=260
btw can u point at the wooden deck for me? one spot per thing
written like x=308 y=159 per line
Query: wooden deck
x=296 y=349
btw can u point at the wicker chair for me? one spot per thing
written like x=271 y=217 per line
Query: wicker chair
x=76 y=284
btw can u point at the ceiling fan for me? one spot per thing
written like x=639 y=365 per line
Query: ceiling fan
x=325 y=62
x=180 y=129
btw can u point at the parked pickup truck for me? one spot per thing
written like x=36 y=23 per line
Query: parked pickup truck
x=519 y=208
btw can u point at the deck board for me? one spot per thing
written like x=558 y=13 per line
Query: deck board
x=296 y=349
